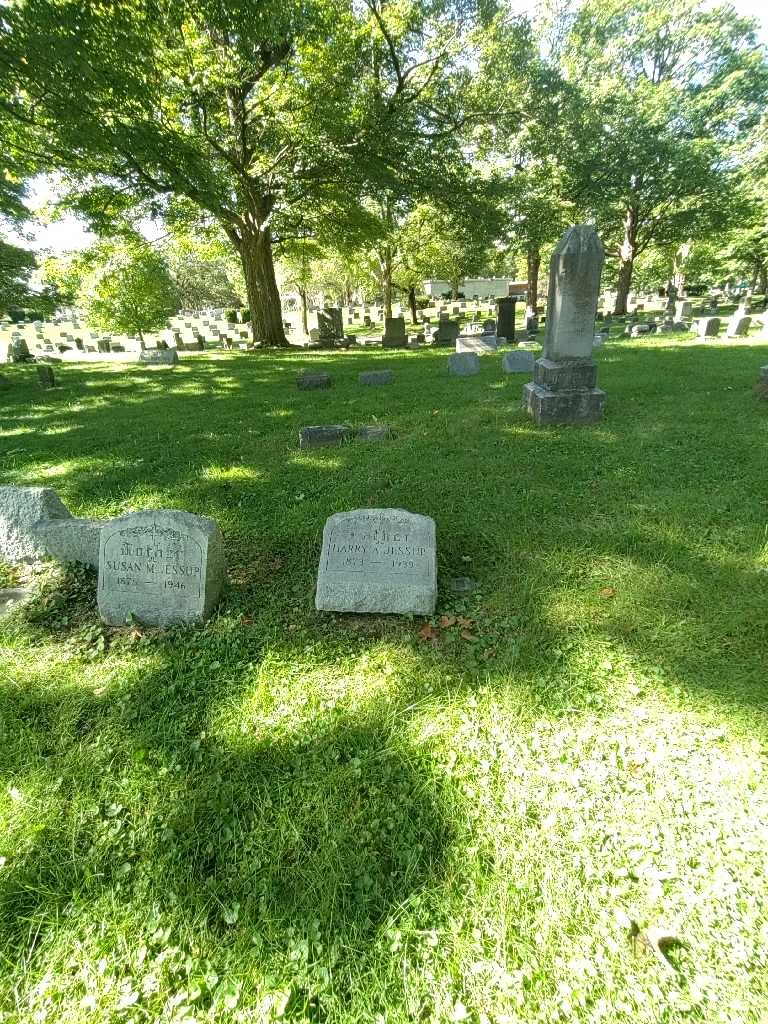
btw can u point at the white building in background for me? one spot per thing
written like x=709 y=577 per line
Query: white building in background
x=483 y=287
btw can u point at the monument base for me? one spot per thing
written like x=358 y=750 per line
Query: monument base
x=584 y=405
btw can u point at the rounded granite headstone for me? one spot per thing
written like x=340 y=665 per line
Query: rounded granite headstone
x=381 y=560
x=162 y=568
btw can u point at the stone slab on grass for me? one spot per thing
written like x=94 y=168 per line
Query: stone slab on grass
x=313 y=381
x=324 y=435
x=375 y=378
x=464 y=364
x=378 y=560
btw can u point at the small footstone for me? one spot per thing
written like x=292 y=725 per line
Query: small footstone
x=462 y=584
x=159 y=356
x=374 y=433
x=160 y=567
x=374 y=378
x=311 y=381
x=11 y=597
x=464 y=364
x=379 y=560
x=323 y=436
x=518 y=362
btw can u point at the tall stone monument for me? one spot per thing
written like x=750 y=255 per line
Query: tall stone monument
x=563 y=388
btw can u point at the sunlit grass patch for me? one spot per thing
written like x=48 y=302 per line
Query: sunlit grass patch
x=286 y=816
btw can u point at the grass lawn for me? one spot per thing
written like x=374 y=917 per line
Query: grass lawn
x=299 y=817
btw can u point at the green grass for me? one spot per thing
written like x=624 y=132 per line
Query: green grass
x=300 y=817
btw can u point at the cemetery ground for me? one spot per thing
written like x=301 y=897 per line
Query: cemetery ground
x=487 y=817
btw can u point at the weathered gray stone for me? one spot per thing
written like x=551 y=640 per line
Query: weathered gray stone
x=708 y=327
x=574 y=285
x=394 y=333
x=480 y=343
x=380 y=561
x=159 y=356
x=70 y=540
x=517 y=362
x=462 y=584
x=374 y=378
x=464 y=364
x=738 y=326
x=567 y=376
x=161 y=567
x=583 y=406
x=377 y=432
x=312 y=381
x=324 y=435
x=12 y=597
x=563 y=390
x=679 y=326
x=683 y=310
x=637 y=330
x=21 y=508
x=45 y=377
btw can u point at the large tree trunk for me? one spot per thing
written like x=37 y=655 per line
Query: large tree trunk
x=412 y=304
x=261 y=286
x=763 y=279
x=627 y=255
x=304 y=320
x=534 y=263
x=455 y=288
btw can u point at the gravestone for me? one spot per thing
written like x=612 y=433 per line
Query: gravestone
x=531 y=324
x=324 y=436
x=329 y=326
x=446 y=333
x=518 y=362
x=563 y=389
x=375 y=378
x=313 y=381
x=683 y=310
x=480 y=343
x=45 y=377
x=159 y=356
x=463 y=364
x=394 y=333
x=708 y=327
x=160 y=567
x=738 y=326
x=489 y=327
x=505 y=317
x=378 y=561
x=376 y=432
